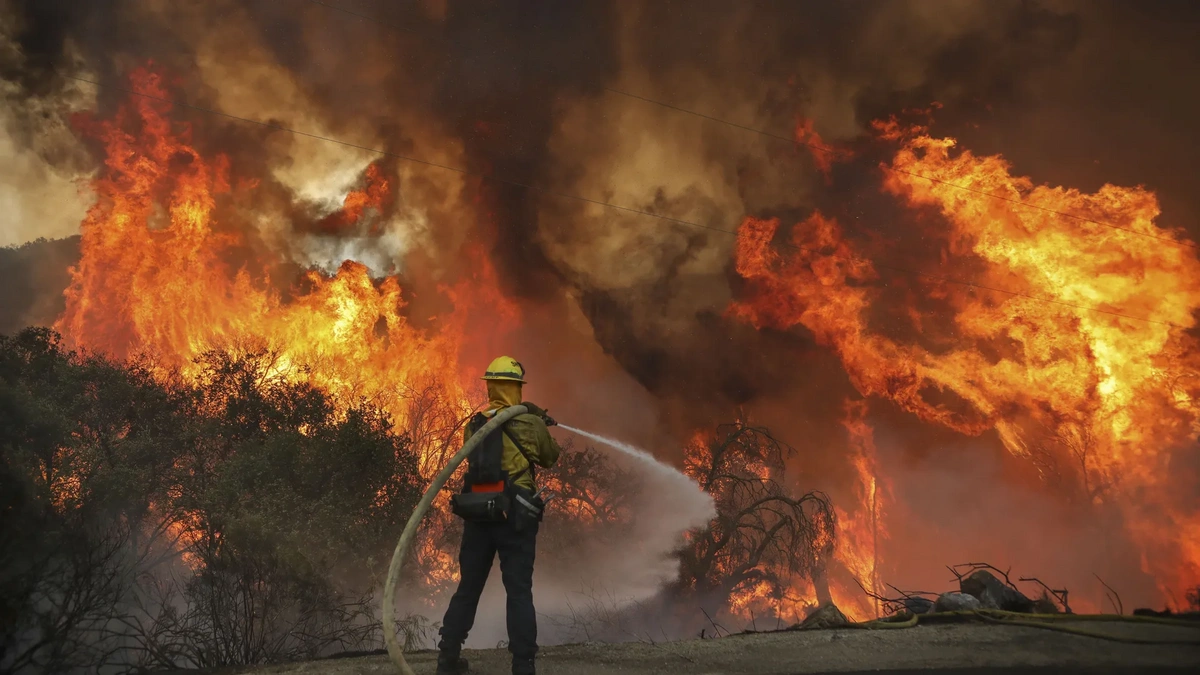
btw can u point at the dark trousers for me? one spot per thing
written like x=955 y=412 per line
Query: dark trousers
x=480 y=544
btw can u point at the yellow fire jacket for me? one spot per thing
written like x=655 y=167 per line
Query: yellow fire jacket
x=533 y=435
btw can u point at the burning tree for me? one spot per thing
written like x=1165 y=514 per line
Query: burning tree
x=763 y=541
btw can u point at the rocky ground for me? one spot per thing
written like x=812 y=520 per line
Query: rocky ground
x=948 y=648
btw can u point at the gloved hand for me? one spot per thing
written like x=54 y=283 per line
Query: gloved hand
x=535 y=409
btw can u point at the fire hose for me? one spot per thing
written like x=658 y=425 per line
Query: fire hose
x=1046 y=621
x=395 y=651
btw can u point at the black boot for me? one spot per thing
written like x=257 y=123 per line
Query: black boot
x=522 y=666
x=450 y=660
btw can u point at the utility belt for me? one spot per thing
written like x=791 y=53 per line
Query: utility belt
x=517 y=505
x=502 y=501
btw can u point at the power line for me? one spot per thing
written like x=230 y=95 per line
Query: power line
x=815 y=146
x=596 y=202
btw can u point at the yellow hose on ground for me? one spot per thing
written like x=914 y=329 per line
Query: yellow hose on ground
x=1045 y=621
x=884 y=623
x=410 y=530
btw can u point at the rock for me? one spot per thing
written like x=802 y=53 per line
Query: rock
x=825 y=616
x=918 y=605
x=993 y=593
x=956 y=602
x=987 y=600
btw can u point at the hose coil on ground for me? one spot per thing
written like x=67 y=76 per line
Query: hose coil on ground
x=395 y=651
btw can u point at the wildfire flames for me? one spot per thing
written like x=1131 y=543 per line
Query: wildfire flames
x=164 y=284
x=860 y=531
x=1086 y=364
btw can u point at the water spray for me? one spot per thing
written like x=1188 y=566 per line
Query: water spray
x=665 y=471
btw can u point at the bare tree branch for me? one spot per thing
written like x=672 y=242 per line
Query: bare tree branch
x=1112 y=595
x=1059 y=595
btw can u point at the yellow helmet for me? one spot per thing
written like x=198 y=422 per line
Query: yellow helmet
x=505 y=368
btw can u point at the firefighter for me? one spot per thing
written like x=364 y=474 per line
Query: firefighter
x=500 y=477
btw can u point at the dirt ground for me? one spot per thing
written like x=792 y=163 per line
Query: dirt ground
x=960 y=647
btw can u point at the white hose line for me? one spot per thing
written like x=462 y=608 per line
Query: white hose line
x=410 y=530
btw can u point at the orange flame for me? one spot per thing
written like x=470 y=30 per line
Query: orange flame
x=156 y=276
x=168 y=289
x=1051 y=376
x=375 y=194
x=859 y=530
x=823 y=154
